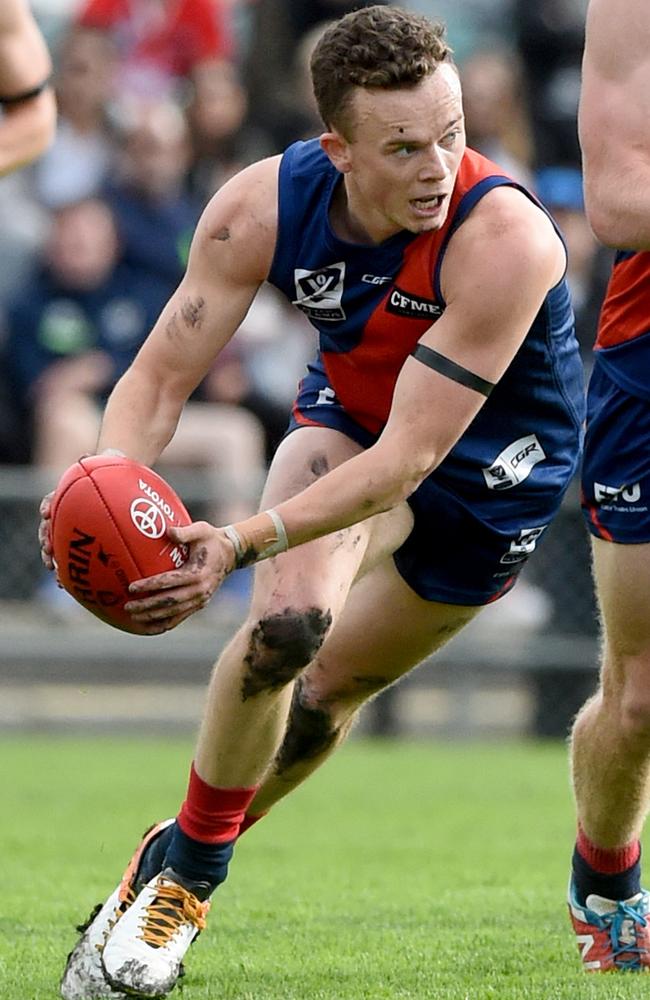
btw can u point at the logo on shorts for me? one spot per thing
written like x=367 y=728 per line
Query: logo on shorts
x=514 y=464
x=614 y=494
x=522 y=546
x=413 y=306
x=319 y=293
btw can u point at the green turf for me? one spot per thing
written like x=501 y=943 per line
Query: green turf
x=399 y=871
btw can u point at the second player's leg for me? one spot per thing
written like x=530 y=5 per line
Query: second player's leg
x=611 y=737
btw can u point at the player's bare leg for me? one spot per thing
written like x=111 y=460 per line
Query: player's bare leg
x=610 y=757
x=298 y=597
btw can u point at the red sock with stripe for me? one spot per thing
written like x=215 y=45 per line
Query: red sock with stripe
x=614 y=873
x=206 y=829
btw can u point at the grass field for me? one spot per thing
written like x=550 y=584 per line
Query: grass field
x=399 y=871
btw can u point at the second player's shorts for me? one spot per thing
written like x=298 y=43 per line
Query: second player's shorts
x=616 y=467
x=453 y=554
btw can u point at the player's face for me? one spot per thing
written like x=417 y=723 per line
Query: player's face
x=401 y=161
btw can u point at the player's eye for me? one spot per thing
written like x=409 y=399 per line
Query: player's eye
x=405 y=149
x=450 y=138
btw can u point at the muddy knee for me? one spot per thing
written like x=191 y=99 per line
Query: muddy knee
x=280 y=646
x=311 y=730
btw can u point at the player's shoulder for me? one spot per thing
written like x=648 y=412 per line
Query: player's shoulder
x=507 y=216
x=243 y=214
x=509 y=231
x=250 y=197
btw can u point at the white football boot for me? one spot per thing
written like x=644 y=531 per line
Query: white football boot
x=83 y=976
x=143 y=953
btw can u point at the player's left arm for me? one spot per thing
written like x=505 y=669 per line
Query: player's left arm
x=27 y=105
x=498 y=269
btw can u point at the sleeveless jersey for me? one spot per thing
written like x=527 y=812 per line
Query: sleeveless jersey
x=623 y=341
x=372 y=303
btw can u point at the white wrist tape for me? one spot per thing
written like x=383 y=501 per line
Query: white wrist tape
x=238 y=545
x=281 y=543
x=256 y=539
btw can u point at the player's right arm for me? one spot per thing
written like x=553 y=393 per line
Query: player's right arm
x=613 y=122
x=28 y=109
x=230 y=256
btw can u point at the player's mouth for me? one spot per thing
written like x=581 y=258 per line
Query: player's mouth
x=429 y=206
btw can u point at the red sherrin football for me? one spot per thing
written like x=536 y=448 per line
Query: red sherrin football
x=109 y=524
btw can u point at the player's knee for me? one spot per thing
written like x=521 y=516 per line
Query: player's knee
x=280 y=645
x=635 y=716
x=626 y=693
x=311 y=730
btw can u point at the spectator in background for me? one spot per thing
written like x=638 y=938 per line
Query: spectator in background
x=274 y=75
x=496 y=119
x=550 y=37
x=155 y=215
x=223 y=141
x=588 y=263
x=160 y=42
x=75 y=328
x=78 y=163
x=293 y=115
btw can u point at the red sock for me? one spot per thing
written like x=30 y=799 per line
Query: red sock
x=249 y=821
x=608 y=861
x=212 y=815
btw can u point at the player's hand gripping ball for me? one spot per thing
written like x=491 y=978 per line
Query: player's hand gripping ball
x=109 y=522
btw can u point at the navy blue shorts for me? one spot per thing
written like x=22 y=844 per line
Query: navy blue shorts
x=616 y=466
x=452 y=555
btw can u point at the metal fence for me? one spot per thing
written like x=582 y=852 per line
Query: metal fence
x=525 y=665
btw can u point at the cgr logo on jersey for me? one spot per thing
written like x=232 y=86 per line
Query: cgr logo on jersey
x=514 y=463
x=413 y=306
x=376 y=279
x=522 y=546
x=319 y=293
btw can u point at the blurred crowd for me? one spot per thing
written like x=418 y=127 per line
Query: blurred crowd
x=160 y=102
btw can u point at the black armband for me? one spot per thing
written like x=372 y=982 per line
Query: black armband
x=439 y=363
x=26 y=96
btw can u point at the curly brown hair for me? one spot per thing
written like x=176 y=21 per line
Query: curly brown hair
x=378 y=46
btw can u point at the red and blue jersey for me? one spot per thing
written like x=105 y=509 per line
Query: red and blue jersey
x=623 y=341
x=372 y=303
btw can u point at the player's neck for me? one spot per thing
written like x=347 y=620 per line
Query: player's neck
x=349 y=222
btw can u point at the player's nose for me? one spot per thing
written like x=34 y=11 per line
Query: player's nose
x=435 y=166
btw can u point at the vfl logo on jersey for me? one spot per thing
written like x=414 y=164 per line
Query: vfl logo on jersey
x=319 y=293
x=514 y=464
x=413 y=306
x=522 y=546
x=613 y=494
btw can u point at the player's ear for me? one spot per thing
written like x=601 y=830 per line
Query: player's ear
x=338 y=149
